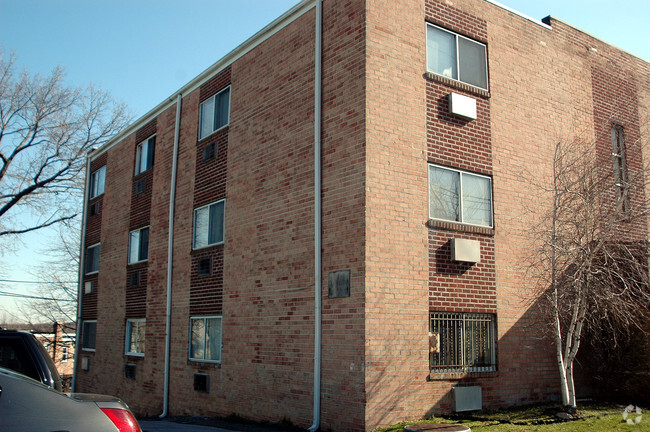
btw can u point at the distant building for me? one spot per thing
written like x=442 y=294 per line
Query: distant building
x=431 y=112
x=58 y=340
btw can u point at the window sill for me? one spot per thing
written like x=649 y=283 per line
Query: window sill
x=134 y=355
x=204 y=248
x=457 y=84
x=447 y=376
x=211 y=134
x=459 y=227
x=203 y=364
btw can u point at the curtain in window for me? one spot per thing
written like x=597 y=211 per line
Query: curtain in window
x=207 y=118
x=201 y=227
x=441 y=52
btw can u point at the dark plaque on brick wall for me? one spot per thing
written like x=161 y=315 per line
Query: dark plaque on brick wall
x=339 y=284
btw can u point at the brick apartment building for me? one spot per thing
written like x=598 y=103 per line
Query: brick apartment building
x=205 y=217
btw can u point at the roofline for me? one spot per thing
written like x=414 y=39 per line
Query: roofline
x=596 y=38
x=258 y=38
x=523 y=15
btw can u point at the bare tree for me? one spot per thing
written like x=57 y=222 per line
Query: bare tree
x=592 y=256
x=46 y=129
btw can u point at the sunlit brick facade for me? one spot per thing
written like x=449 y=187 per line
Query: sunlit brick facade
x=403 y=259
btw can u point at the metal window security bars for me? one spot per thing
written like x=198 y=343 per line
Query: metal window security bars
x=462 y=342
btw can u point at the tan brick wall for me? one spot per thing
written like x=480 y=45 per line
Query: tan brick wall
x=384 y=120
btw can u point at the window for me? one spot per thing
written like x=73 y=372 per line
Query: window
x=88 y=333
x=209 y=224
x=215 y=113
x=135 y=329
x=144 y=155
x=461 y=342
x=457 y=57
x=64 y=354
x=97 y=182
x=460 y=196
x=92 y=259
x=620 y=169
x=205 y=343
x=138 y=245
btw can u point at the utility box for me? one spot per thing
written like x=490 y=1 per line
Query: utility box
x=462 y=106
x=467 y=398
x=465 y=250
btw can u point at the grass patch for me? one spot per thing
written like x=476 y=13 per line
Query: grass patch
x=541 y=418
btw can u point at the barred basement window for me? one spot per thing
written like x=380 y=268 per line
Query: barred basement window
x=462 y=342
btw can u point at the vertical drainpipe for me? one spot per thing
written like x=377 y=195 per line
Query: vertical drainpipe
x=317 y=212
x=170 y=255
x=82 y=265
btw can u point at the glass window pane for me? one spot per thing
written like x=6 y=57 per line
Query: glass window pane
x=197 y=350
x=97 y=181
x=222 y=110
x=441 y=52
x=134 y=246
x=213 y=339
x=443 y=194
x=89 y=334
x=144 y=244
x=201 y=227
x=472 y=63
x=207 y=118
x=92 y=259
x=215 y=234
x=477 y=196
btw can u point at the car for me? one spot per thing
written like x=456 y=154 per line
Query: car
x=28 y=405
x=22 y=352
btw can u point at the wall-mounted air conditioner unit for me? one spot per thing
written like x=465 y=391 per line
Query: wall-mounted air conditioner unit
x=465 y=250
x=462 y=106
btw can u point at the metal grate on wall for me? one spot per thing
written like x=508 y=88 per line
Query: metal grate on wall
x=462 y=342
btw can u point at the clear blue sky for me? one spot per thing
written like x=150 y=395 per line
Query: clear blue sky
x=142 y=51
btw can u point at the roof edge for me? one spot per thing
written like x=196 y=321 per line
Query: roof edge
x=248 y=45
x=578 y=29
x=523 y=15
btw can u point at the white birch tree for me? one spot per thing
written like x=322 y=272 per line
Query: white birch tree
x=591 y=268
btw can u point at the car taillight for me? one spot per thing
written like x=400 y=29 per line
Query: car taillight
x=123 y=419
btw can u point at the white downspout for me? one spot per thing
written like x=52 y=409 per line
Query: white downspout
x=318 y=72
x=170 y=255
x=82 y=265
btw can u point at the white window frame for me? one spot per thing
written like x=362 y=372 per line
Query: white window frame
x=140 y=325
x=135 y=240
x=462 y=346
x=84 y=332
x=64 y=354
x=97 y=182
x=205 y=318
x=147 y=146
x=458 y=56
x=212 y=100
x=194 y=229
x=460 y=195
x=94 y=271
